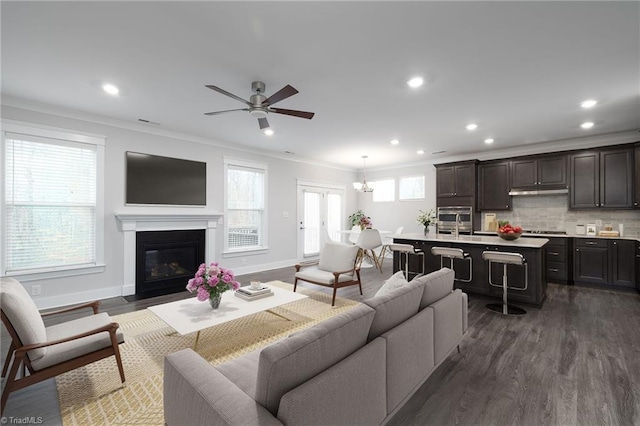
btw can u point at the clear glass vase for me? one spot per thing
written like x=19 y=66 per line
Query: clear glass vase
x=214 y=301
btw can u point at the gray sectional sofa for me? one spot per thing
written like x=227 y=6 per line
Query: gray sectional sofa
x=358 y=367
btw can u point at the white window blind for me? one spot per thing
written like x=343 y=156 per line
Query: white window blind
x=245 y=207
x=411 y=188
x=50 y=203
x=384 y=190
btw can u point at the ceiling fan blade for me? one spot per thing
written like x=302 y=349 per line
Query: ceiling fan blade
x=264 y=124
x=231 y=95
x=293 y=112
x=281 y=94
x=228 y=110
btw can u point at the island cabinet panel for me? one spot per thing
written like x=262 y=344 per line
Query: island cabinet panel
x=493 y=186
x=638 y=266
x=535 y=293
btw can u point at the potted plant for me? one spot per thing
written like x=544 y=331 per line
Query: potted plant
x=426 y=219
x=360 y=219
x=210 y=282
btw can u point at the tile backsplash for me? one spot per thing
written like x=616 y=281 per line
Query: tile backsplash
x=551 y=213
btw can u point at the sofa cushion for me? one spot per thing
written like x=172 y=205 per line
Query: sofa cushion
x=24 y=316
x=448 y=324
x=290 y=362
x=437 y=285
x=395 y=281
x=243 y=371
x=394 y=307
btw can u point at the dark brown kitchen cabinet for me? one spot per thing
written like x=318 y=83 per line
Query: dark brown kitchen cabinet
x=591 y=261
x=638 y=266
x=606 y=262
x=456 y=184
x=601 y=179
x=493 y=186
x=636 y=202
x=539 y=173
x=622 y=258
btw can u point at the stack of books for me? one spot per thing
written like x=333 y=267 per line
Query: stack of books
x=247 y=293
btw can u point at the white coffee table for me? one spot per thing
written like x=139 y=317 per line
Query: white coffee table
x=192 y=316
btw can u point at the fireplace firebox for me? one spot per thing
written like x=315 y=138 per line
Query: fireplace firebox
x=166 y=260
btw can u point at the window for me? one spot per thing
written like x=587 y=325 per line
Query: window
x=384 y=190
x=245 y=206
x=411 y=188
x=52 y=201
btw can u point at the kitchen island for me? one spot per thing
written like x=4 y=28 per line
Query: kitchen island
x=531 y=248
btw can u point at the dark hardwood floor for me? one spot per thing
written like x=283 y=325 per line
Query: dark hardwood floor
x=576 y=361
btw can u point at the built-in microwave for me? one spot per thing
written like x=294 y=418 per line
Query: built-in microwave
x=448 y=216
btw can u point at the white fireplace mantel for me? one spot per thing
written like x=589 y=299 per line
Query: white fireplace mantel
x=130 y=223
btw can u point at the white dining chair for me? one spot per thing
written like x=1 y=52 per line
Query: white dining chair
x=355 y=233
x=368 y=241
x=386 y=242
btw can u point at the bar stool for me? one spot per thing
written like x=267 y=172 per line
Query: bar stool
x=454 y=253
x=506 y=259
x=407 y=250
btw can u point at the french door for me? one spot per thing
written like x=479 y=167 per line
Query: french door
x=320 y=212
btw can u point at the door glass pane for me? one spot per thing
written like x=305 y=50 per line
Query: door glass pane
x=311 y=244
x=334 y=209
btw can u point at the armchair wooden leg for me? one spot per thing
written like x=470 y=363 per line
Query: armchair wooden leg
x=116 y=350
x=333 y=300
x=295 y=284
x=10 y=383
x=7 y=361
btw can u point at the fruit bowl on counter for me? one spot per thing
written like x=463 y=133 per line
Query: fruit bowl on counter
x=508 y=232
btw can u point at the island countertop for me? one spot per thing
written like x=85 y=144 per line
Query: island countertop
x=475 y=239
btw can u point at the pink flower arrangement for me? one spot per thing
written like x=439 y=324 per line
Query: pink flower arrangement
x=365 y=222
x=212 y=281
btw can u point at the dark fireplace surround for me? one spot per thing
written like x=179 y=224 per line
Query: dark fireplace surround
x=166 y=260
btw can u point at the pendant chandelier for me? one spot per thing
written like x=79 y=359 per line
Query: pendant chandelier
x=363 y=186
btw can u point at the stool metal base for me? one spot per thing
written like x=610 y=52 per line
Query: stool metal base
x=510 y=309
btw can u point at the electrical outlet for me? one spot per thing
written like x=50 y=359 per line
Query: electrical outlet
x=285 y=214
x=36 y=290
x=598 y=222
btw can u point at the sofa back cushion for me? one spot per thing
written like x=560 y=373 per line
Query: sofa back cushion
x=290 y=362
x=394 y=307
x=437 y=285
x=337 y=257
x=23 y=314
x=396 y=280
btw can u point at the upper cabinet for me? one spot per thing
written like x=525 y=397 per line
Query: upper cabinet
x=494 y=186
x=456 y=184
x=601 y=179
x=539 y=173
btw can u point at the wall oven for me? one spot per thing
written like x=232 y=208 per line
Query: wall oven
x=447 y=217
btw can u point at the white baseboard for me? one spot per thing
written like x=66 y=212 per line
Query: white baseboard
x=244 y=270
x=76 y=298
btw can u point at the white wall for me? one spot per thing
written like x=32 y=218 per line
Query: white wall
x=391 y=215
x=283 y=175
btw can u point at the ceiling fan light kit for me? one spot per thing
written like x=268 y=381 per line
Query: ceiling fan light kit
x=259 y=106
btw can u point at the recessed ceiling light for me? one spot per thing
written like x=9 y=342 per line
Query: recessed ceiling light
x=472 y=126
x=420 y=152
x=488 y=140
x=589 y=103
x=394 y=142
x=110 y=89
x=268 y=132
x=415 y=82
x=587 y=125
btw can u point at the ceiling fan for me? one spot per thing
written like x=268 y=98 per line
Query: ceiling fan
x=259 y=105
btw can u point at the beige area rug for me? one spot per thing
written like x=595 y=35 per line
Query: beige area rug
x=93 y=395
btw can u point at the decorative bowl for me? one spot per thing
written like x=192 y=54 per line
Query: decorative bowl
x=509 y=236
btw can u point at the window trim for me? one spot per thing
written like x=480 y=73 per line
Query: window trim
x=373 y=185
x=263 y=248
x=99 y=142
x=424 y=195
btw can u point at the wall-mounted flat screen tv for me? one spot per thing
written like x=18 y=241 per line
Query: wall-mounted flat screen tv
x=152 y=179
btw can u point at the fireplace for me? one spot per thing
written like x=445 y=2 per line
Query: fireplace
x=166 y=260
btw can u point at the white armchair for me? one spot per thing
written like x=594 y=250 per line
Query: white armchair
x=336 y=268
x=49 y=351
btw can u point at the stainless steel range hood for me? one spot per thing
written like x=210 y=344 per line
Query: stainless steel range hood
x=539 y=191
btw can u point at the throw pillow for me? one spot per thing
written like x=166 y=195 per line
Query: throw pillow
x=396 y=280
